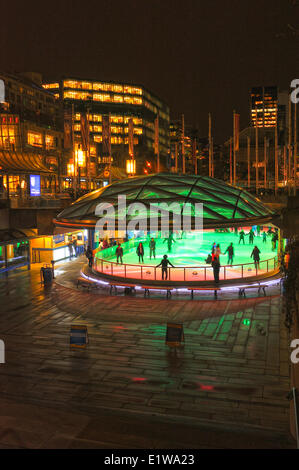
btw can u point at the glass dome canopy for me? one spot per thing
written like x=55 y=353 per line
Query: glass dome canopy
x=223 y=204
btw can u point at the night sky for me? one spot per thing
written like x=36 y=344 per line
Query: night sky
x=199 y=56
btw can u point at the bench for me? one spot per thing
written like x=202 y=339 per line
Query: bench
x=215 y=289
x=81 y=281
x=254 y=286
x=115 y=285
x=147 y=290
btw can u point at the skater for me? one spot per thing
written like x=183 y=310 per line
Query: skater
x=119 y=254
x=274 y=240
x=152 y=248
x=216 y=269
x=214 y=246
x=230 y=254
x=89 y=256
x=105 y=244
x=218 y=252
x=258 y=229
x=140 y=252
x=170 y=240
x=164 y=263
x=264 y=237
x=256 y=257
x=242 y=237
x=251 y=237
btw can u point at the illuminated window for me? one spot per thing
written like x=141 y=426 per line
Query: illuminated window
x=136 y=121
x=118 y=99
x=86 y=86
x=93 y=150
x=117 y=119
x=96 y=128
x=49 y=86
x=118 y=88
x=117 y=130
x=76 y=95
x=137 y=130
x=116 y=140
x=35 y=139
x=132 y=90
x=95 y=118
x=136 y=142
x=101 y=97
x=128 y=99
x=98 y=138
x=50 y=142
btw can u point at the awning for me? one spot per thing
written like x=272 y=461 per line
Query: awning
x=17 y=162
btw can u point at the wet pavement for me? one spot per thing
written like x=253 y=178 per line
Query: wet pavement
x=226 y=387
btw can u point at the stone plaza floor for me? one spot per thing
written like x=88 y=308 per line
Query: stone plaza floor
x=225 y=388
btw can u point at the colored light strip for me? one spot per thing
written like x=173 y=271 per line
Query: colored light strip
x=159 y=289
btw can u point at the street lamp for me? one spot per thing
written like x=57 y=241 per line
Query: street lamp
x=131 y=167
x=81 y=163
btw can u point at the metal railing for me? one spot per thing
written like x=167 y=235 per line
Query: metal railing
x=184 y=273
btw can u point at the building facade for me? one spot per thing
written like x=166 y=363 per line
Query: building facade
x=122 y=102
x=264 y=106
x=31 y=136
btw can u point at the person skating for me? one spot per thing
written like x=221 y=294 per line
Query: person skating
x=274 y=240
x=218 y=252
x=89 y=256
x=256 y=257
x=230 y=254
x=119 y=254
x=251 y=237
x=264 y=237
x=164 y=263
x=140 y=252
x=213 y=250
x=242 y=237
x=152 y=248
x=170 y=240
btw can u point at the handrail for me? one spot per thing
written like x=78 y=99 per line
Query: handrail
x=187 y=267
x=184 y=268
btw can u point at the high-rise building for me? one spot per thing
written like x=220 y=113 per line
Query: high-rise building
x=122 y=102
x=264 y=106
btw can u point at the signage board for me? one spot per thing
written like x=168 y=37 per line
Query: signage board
x=2 y=91
x=35 y=185
x=78 y=336
x=174 y=334
x=58 y=239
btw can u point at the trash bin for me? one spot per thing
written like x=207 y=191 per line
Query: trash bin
x=46 y=274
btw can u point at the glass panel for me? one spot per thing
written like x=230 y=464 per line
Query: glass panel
x=232 y=272
x=195 y=274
